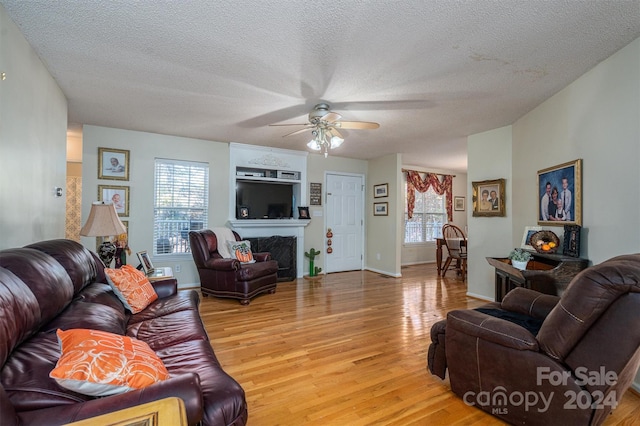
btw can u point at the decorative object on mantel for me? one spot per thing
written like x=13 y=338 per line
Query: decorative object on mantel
x=311 y=254
x=544 y=242
x=571 y=240
x=324 y=125
x=303 y=213
x=104 y=222
x=519 y=258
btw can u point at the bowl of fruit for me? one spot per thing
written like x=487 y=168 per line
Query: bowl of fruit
x=544 y=242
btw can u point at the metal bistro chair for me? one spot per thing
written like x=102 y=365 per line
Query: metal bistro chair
x=456 y=243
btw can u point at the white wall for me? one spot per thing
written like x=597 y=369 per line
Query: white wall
x=384 y=232
x=596 y=118
x=144 y=148
x=33 y=136
x=489 y=157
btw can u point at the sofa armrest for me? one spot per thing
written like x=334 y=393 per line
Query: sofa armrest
x=165 y=288
x=495 y=330
x=220 y=264
x=262 y=257
x=186 y=387
x=529 y=302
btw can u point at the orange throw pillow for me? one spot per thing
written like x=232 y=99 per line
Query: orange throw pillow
x=98 y=363
x=132 y=287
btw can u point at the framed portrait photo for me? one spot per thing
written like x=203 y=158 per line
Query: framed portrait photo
x=458 y=204
x=118 y=195
x=488 y=198
x=381 y=209
x=303 y=213
x=526 y=237
x=380 y=191
x=145 y=261
x=113 y=164
x=559 y=194
x=243 y=212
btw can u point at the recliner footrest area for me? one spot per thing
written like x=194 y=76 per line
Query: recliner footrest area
x=436 y=358
x=525 y=321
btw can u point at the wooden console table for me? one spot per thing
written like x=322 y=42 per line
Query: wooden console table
x=546 y=273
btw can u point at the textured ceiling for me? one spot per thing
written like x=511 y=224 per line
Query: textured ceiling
x=430 y=72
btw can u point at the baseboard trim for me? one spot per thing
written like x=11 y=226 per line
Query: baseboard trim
x=378 y=271
x=481 y=297
x=635 y=388
x=189 y=286
x=423 y=262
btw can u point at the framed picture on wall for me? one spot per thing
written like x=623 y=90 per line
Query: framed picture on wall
x=380 y=191
x=113 y=164
x=559 y=194
x=458 y=204
x=118 y=195
x=381 y=209
x=488 y=198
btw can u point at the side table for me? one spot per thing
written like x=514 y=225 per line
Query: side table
x=163 y=412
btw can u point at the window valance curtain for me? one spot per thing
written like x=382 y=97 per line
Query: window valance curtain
x=415 y=182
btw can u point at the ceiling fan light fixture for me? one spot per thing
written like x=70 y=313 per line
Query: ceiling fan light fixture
x=314 y=145
x=336 y=141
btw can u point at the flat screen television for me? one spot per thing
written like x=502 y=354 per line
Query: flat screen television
x=264 y=200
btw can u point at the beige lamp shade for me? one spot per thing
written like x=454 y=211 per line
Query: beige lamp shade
x=103 y=221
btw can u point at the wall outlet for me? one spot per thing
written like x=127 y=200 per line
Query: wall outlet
x=178 y=268
x=377 y=256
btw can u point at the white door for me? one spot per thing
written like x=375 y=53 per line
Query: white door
x=345 y=194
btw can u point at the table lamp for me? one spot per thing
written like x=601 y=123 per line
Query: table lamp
x=103 y=222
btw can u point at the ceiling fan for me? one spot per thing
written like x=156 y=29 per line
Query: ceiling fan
x=324 y=125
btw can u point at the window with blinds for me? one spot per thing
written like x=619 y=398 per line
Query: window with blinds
x=429 y=215
x=181 y=203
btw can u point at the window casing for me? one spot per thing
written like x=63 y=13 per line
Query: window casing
x=181 y=204
x=429 y=215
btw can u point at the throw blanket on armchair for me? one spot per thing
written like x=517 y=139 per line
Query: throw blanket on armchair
x=223 y=235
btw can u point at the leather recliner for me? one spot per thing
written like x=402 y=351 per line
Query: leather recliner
x=538 y=359
x=228 y=277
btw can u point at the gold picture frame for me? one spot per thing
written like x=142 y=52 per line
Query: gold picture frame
x=488 y=198
x=113 y=164
x=118 y=195
x=565 y=180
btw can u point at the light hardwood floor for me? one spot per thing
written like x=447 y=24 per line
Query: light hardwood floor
x=350 y=349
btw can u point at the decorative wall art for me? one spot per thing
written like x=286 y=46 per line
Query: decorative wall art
x=380 y=191
x=458 y=204
x=113 y=164
x=559 y=194
x=380 y=209
x=315 y=194
x=488 y=198
x=118 y=195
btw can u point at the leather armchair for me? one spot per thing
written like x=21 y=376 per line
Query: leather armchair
x=228 y=277
x=538 y=359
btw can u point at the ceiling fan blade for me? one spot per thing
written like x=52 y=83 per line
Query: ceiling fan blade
x=331 y=117
x=334 y=132
x=294 y=124
x=296 y=132
x=356 y=125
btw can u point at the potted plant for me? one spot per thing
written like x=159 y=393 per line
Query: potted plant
x=519 y=258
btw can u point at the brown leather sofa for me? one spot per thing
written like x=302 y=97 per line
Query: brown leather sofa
x=58 y=284
x=228 y=277
x=537 y=359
